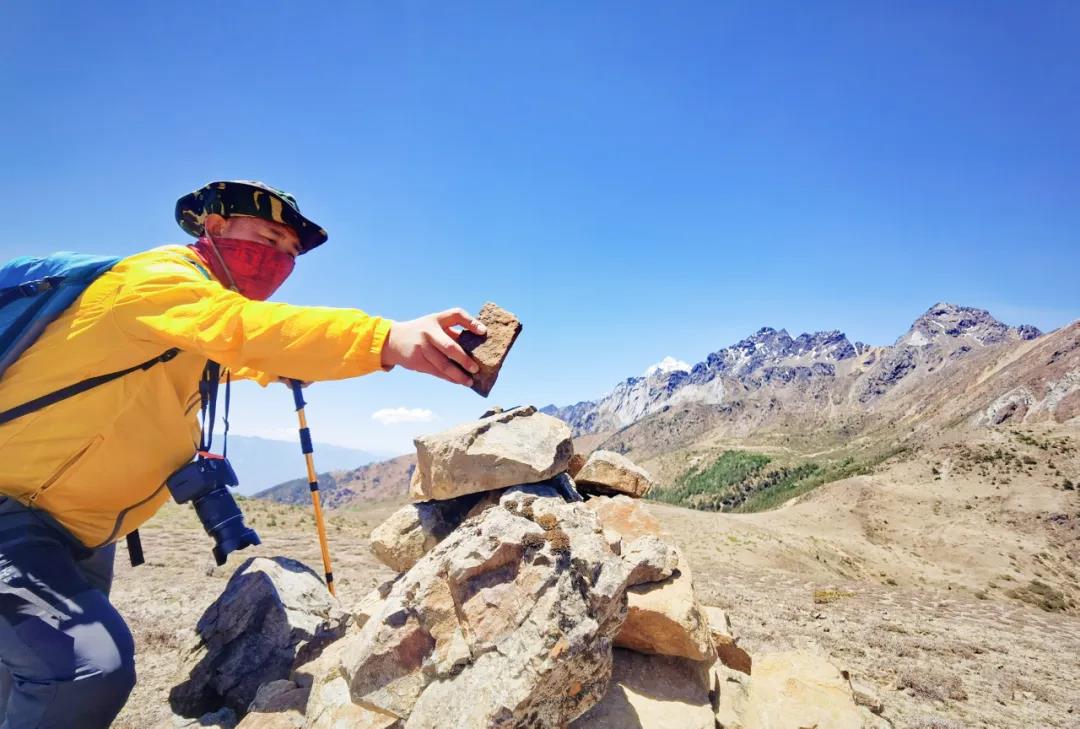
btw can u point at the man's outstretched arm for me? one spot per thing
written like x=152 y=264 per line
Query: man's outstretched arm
x=165 y=301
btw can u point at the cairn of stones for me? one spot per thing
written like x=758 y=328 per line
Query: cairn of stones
x=534 y=588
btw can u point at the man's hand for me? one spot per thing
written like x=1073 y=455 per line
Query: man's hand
x=429 y=345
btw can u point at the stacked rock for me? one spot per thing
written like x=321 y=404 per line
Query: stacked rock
x=519 y=603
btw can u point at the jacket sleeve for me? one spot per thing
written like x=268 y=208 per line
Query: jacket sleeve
x=246 y=373
x=164 y=300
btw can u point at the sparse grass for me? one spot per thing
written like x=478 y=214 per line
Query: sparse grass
x=935 y=722
x=932 y=685
x=1041 y=595
x=828 y=595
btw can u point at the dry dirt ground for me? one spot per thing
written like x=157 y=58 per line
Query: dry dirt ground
x=913 y=578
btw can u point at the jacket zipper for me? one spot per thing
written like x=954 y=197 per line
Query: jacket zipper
x=68 y=464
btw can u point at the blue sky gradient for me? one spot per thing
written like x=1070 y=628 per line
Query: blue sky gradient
x=634 y=180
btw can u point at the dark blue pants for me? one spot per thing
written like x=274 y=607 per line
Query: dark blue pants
x=69 y=656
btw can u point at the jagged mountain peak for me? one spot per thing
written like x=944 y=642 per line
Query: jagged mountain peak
x=666 y=365
x=801 y=374
x=777 y=344
x=944 y=321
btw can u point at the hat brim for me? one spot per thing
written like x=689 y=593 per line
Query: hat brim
x=235 y=198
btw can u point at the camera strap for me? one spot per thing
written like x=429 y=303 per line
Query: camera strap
x=208 y=392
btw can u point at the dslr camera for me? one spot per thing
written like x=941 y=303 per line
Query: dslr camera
x=204 y=482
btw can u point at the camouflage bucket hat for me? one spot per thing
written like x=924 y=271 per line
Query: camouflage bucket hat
x=246 y=197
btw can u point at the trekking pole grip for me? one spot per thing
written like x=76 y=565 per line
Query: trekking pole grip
x=298 y=393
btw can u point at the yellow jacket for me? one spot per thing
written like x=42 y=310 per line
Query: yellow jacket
x=98 y=462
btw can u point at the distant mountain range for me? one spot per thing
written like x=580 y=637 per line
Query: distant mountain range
x=956 y=367
x=371 y=482
x=821 y=372
x=262 y=462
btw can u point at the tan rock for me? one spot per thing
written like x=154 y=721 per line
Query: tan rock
x=490 y=350
x=651 y=692
x=727 y=650
x=664 y=618
x=607 y=472
x=414 y=529
x=625 y=516
x=259 y=720
x=507 y=622
x=369 y=603
x=874 y=721
x=515 y=447
x=576 y=462
x=866 y=696
x=730 y=693
x=798 y=689
x=330 y=705
x=654 y=559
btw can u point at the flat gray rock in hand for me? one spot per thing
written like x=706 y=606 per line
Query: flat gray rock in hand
x=490 y=350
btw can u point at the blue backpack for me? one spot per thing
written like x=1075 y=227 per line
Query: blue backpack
x=34 y=292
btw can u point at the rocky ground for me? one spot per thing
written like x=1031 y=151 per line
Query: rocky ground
x=938 y=657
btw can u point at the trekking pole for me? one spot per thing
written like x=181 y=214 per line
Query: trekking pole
x=313 y=481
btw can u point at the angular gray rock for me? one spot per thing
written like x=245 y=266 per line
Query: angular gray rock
x=652 y=557
x=272 y=613
x=508 y=622
x=607 y=472
x=277 y=705
x=220 y=719
x=510 y=448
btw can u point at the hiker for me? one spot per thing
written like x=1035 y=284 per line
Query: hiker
x=81 y=473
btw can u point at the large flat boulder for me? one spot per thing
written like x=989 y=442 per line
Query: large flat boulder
x=508 y=622
x=505 y=449
x=652 y=692
x=274 y=612
x=607 y=472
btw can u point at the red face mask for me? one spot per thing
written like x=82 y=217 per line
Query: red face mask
x=253 y=269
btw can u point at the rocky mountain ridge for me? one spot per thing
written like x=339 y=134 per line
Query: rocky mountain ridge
x=800 y=371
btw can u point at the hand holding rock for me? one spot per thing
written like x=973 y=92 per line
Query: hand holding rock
x=429 y=345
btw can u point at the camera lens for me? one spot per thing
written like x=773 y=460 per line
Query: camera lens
x=219 y=514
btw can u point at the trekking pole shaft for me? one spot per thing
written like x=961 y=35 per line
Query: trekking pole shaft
x=313 y=483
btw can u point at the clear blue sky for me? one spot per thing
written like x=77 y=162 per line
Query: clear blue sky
x=634 y=180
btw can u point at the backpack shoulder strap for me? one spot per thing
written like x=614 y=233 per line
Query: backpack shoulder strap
x=79 y=387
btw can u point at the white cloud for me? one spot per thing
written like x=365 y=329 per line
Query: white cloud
x=668 y=364
x=394 y=416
